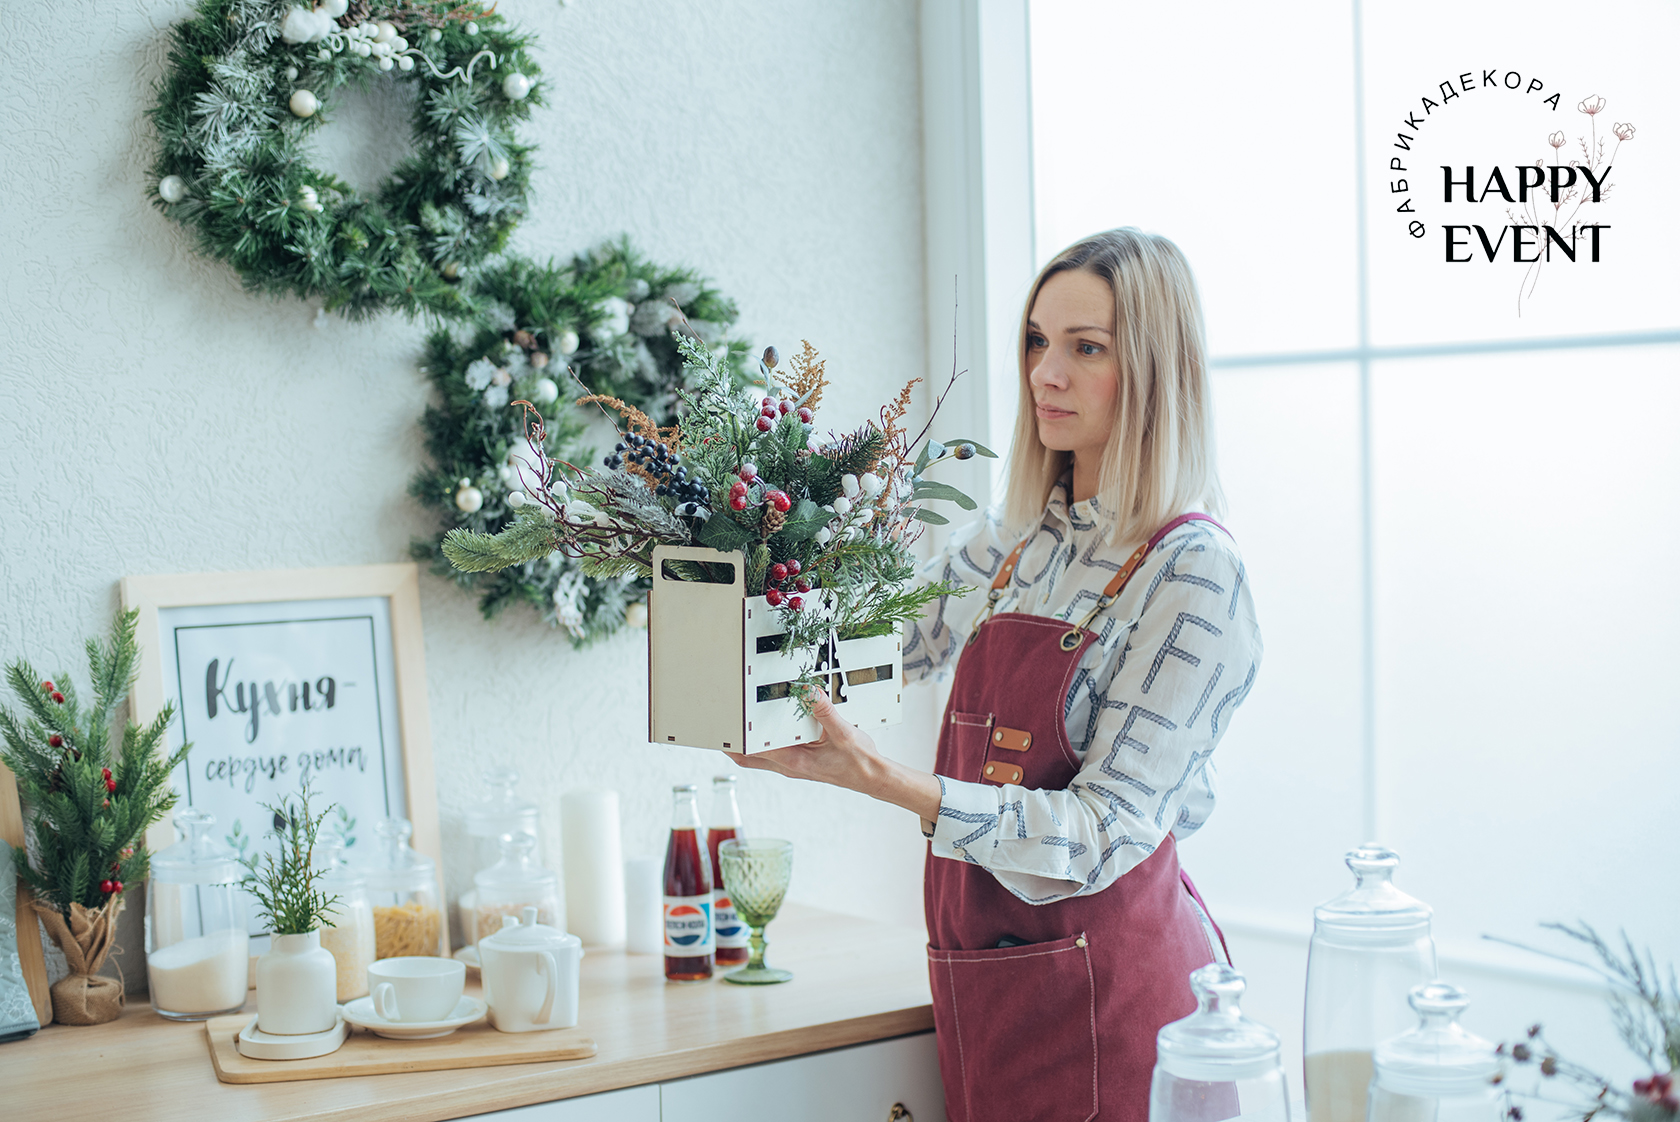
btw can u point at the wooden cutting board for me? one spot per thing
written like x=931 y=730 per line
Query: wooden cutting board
x=364 y=1053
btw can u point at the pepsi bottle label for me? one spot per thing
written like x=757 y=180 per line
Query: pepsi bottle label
x=688 y=926
x=731 y=932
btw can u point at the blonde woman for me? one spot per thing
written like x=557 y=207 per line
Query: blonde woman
x=1107 y=643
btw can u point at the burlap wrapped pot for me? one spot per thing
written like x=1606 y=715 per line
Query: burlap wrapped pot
x=86 y=936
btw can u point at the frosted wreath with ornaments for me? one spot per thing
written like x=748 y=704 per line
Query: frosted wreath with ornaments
x=825 y=524
x=249 y=81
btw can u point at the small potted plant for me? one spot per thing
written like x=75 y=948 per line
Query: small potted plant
x=297 y=980
x=89 y=806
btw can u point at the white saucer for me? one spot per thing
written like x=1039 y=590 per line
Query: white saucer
x=361 y=1014
x=468 y=955
x=259 y=1045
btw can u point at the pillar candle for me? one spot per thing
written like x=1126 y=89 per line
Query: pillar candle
x=594 y=861
x=644 y=898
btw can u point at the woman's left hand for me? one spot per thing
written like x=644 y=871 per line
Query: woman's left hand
x=845 y=756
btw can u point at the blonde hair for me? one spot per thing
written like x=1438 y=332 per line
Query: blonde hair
x=1159 y=459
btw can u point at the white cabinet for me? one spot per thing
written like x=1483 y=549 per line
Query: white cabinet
x=633 y=1104
x=857 y=1084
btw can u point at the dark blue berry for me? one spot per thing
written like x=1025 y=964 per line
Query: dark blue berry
x=619 y=447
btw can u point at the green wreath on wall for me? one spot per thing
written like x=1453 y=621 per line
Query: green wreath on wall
x=249 y=81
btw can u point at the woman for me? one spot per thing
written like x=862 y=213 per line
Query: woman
x=1108 y=641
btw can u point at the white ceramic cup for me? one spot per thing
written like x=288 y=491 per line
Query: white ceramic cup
x=416 y=989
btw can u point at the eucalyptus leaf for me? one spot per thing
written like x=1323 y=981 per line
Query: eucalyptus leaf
x=930 y=517
x=930 y=489
x=931 y=451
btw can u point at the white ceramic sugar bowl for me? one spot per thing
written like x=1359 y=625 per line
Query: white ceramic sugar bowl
x=530 y=975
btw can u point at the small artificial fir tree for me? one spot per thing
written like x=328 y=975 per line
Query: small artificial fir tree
x=90 y=807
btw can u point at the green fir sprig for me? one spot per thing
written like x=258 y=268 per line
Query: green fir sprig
x=286 y=885
x=89 y=806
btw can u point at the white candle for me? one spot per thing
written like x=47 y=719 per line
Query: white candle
x=644 y=896
x=594 y=862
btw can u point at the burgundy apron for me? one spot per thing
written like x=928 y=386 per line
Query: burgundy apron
x=1062 y=1028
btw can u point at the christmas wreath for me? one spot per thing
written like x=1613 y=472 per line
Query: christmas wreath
x=249 y=81
x=825 y=524
x=609 y=315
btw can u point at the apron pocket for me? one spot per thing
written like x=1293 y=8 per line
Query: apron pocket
x=1017 y=1032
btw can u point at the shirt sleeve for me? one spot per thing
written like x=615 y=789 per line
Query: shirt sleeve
x=1189 y=660
x=971 y=557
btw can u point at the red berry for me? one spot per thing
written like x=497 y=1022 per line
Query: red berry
x=778 y=572
x=779 y=500
x=104 y=773
x=116 y=885
x=738 y=501
x=805 y=414
x=802 y=586
x=56 y=740
x=46 y=687
x=738 y=488
x=784 y=407
x=763 y=426
x=111 y=786
x=107 y=886
x=794 y=566
x=795 y=603
x=748 y=472
x=767 y=402
x=769 y=412
x=58 y=697
x=773 y=596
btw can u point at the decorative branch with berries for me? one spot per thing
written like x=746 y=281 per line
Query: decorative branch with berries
x=90 y=807
x=1646 y=1010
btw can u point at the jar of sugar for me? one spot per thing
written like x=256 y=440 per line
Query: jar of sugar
x=348 y=930
x=197 y=944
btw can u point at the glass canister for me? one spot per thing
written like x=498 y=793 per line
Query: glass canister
x=511 y=885
x=197 y=946
x=348 y=932
x=1370 y=946
x=1438 y=1071
x=501 y=812
x=1216 y=1063
x=403 y=889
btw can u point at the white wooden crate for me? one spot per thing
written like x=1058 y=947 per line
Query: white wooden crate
x=717 y=680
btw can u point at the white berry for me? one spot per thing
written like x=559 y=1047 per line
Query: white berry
x=516 y=86
x=568 y=342
x=385 y=63
x=516 y=499
x=636 y=615
x=469 y=500
x=545 y=391
x=499 y=168
x=172 y=188
x=333 y=8
x=384 y=32
x=472 y=29
x=849 y=485
x=871 y=484
x=291 y=73
x=843 y=505
x=405 y=63
x=434 y=35
x=303 y=103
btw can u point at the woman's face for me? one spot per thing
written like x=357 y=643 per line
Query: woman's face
x=1071 y=365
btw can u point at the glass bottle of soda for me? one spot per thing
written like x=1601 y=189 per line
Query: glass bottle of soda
x=732 y=935
x=688 y=894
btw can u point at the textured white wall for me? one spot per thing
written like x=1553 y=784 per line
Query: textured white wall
x=153 y=418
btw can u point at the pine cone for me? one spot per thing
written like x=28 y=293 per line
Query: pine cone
x=358 y=12
x=773 y=520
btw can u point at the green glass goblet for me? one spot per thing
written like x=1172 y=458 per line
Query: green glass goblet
x=755 y=874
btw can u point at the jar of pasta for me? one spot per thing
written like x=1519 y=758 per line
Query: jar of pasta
x=511 y=885
x=348 y=932
x=403 y=889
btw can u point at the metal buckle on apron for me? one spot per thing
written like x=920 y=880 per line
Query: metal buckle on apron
x=1070 y=639
x=991 y=606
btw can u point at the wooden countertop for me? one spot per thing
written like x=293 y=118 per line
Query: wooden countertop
x=855 y=980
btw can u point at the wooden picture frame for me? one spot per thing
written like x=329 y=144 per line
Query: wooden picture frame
x=191 y=610
x=31 y=956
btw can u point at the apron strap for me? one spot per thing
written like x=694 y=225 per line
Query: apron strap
x=1113 y=589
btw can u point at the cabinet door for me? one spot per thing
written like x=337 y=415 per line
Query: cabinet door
x=633 y=1104
x=857 y=1084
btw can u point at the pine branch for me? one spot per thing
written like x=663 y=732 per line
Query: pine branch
x=527 y=538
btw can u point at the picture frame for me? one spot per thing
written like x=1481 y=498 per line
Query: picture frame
x=31 y=956
x=283 y=675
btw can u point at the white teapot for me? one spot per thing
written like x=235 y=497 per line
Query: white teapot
x=530 y=975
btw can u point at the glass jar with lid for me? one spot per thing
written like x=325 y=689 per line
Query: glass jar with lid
x=197 y=944
x=501 y=812
x=513 y=883
x=1438 y=1071
x=1216 y=1063
x=1370 y=946
x=403 y=888
x=348 y=931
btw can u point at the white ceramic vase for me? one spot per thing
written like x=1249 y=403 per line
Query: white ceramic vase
x=297 y=986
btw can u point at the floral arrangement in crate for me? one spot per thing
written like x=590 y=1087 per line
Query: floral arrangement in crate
x=825 y=524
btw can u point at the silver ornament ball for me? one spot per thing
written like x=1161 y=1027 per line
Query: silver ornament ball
x=515 y=86
x=469 y=500
x=172 y=188
x=303 y=103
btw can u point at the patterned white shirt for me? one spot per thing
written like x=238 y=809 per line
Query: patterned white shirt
x=1176 y=654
